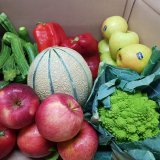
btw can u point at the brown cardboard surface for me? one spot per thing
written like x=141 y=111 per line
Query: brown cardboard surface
x=145 y=20
x=76 y=16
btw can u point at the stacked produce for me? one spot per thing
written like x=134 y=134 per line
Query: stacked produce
x=87 y=46
x=49 y=107
x=120 y=46
x=41 y=105
x=124 y=102
x=52 y=34
x=58 y=120
x=17 y=52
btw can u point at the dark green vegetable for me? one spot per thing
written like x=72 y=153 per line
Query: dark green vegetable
x=6 y=23
x=20 y=79
x=30 y=50
x=3 y=84
x=36 y=48
x=152 y=63
x=17 y=48
x=8 y=36
x=14 y=67
x=9 y=69
x=4 y=54
x=2 y=31
x=23 y=33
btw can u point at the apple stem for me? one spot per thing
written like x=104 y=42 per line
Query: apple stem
x=119 y=57
x=2 y=133
x=76 y=39
x=71 y=106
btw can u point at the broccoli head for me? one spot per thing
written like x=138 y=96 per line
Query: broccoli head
x=132 y=117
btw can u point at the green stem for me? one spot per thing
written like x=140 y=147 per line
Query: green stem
x=2 y=133
x=76 y=39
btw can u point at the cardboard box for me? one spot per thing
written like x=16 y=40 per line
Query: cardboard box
x=78 y=16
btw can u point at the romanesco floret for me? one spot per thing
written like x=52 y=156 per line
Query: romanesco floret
x=132 y=117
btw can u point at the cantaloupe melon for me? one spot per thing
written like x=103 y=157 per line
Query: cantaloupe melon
x=60 y=70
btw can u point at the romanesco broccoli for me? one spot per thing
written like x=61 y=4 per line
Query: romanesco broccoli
x=132 y=117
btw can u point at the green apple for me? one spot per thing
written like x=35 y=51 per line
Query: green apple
x=118 y=40
x=134 y=56
x=103 y=46
x=113 y=24
x=105 y=55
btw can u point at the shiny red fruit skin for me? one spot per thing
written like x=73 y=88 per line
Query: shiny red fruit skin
x=82 y=147
x=7 y=141
x=93 y=63
x=32 y=144
x=18 y=105
x=59 y=117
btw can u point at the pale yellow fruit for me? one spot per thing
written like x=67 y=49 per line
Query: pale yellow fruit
x=113 y=24
x=103 y=46
x=134 y=56
x=105 y=55
x=118 y=40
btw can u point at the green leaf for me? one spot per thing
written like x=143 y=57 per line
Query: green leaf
x=3 y=84
x=119 y=154
x=103 y=155
x=141 y=83
x=139 y=154
x=149 y=144
x=153 y=61
x=53 y=149
x=153 y=91
x=106 y=74
x=55 y=156
x=106 y=89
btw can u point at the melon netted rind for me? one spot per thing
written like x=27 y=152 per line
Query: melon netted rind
x=60 y=70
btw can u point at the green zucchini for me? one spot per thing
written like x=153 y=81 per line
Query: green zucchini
x=23 y=33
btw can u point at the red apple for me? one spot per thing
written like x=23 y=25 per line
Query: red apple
x=32 y=144
x=82 y=147
x=7 y=141
x=18 y=105
x=93 y=63
x=59 y=117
